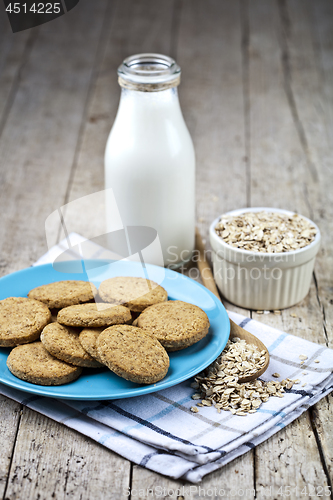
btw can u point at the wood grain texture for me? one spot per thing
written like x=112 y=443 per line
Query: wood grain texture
x=9 y=420
x=211 y=95
x=13 y=55
x=44 y=121
x=307 y=42
x=291 y=458
x=283 y=173
x=52 y=461
x=257 y=96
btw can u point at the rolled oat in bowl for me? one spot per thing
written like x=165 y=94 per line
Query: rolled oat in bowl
x=267 y=232
x=263 y=258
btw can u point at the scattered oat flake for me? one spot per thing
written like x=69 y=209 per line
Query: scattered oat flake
x=218 y=385
x=260 y=312
x=316 y=361
x=297 y=381
x=293 y=315
x=277 y=311
x=267 y=312
x=303 y=385
x=276 y=375
x=303 y=357
x=194 y=409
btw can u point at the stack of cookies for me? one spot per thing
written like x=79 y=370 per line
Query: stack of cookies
x=128 y=325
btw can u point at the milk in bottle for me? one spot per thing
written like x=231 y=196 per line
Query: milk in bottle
x=149 y=157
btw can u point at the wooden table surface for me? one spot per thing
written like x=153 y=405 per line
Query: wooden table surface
x=257 y=95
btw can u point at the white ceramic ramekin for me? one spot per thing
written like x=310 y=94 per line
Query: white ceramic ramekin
x=262 y=281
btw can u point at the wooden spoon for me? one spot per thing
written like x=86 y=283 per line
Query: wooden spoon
x=235 y=330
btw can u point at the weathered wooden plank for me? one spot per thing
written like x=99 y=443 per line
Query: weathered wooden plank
x=309 y=45
x=211 y=95
x=52 y=461
x=233 y=483
x=280 y=177
x=37 y=147
x=13 y=54
x=286 y=463
x=14 y=51
x=38 y=143
x=9 y=417
x=322 y=15
x=322 y=417
x=280 y=171
x=147 y=484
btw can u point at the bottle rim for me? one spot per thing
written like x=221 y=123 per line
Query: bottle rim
x=149 y=69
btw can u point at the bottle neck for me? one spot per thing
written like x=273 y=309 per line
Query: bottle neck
x=162 y=102
x=149 y=87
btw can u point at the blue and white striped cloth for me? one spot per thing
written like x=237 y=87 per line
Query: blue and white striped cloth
x=159 y=431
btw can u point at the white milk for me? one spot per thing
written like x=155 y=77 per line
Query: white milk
x=150 y=166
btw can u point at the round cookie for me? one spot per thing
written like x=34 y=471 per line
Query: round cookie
x=33 y=363
x=134 y=293
x=88 y=338
x=94 y=315
x=63 y=343
x=21 y=320
x=64 y=293
x=133 y=354
x=175 y=324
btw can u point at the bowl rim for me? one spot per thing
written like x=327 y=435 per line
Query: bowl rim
x=240 y=251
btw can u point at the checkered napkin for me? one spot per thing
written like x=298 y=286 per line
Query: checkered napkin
x=159 y=431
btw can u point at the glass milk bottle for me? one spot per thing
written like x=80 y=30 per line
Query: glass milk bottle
x=149 y=156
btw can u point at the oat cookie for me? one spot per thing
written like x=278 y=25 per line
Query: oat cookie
x=33 y=363
x=94 y=315
x=21 y=320
x=63 y=343
x=134 y=293
x=175 y=324
x=88 y=338
x=133 y=354
x=64 y=293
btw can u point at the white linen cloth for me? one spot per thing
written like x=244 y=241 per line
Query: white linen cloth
x=159 y=431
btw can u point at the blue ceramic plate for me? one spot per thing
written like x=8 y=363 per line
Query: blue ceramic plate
x=102 y=383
